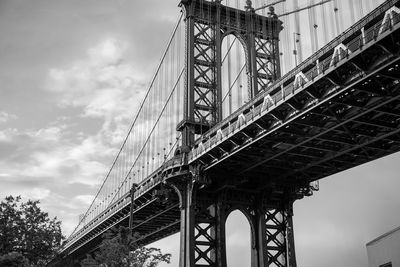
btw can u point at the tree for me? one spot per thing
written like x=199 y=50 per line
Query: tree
x=28 y=232
x=13 y=259
x=119 y=248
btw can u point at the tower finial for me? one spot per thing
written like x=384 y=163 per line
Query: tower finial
x=248 y=5
x=271 y=12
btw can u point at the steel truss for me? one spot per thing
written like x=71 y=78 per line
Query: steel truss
x=267 y=59
x=278 y=231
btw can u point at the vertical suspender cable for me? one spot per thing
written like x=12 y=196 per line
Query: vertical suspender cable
x=171 y=102
x=367 y=7
x=361 y=8
x=228 y=43
x=154 y=137
x=337 y=13
x=287 y=53
x=324 y=24
x=132 y=125
x=297 y=35
x=313 y=28
x=352 y=12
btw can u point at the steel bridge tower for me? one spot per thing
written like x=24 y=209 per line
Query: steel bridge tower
x=338 y=109
x=205 y=207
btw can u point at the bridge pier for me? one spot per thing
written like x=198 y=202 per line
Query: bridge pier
x=202 y=240
x=203 y=218
x=274 y=239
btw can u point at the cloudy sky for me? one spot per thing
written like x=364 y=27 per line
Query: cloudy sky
x=72 y=74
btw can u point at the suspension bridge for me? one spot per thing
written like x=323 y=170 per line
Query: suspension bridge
x=251 y=104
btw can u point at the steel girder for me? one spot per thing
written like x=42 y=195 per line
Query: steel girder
x=155 y=216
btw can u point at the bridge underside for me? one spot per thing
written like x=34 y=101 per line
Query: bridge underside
x=346 y=118
x=154 y=217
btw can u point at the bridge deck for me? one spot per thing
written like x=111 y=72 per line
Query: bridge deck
x=338 y=109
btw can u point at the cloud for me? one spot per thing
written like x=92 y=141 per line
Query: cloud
x=97 y=83
x=5 y=117
x=45 y=165
x=85 y=199
x=44 y=162
x=37 y=193
x=6 y=134
x=103 y=85
x=47 y=152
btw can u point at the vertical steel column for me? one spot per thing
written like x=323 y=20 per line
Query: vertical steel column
x=258 y=255
x=220 y=232
x=262 y=49
x=274 y=239
x=202 y=240
x=203 y=68
x=205 y=25
x=218 y=61
x=276 y=243
x=133 y=189
x=188 y=109
x=251 y=51
x=291 y=252
x=203 y=216
x=266 y=42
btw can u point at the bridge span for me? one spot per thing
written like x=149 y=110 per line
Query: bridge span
x=338 y=109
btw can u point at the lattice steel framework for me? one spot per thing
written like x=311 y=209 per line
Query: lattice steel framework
x=204 y=237
x=207 y=23
x=203 y=218
x=201 y=226
x=279 y=241
x=205 y=84
x=339 y=109
x=267 y=60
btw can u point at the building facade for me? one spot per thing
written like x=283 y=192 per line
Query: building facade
x=384 y=251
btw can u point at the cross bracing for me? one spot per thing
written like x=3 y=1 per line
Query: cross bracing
x=337 y=109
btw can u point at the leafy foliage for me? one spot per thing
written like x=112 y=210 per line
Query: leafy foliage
x=119 y=248
x=27 y=231
x=13 y=259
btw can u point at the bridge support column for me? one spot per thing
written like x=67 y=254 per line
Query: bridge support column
x=202 y=240
x=274 y=239
x=203 y=217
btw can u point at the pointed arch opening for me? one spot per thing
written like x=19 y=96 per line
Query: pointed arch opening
x=238 y=240
x=235 y=91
